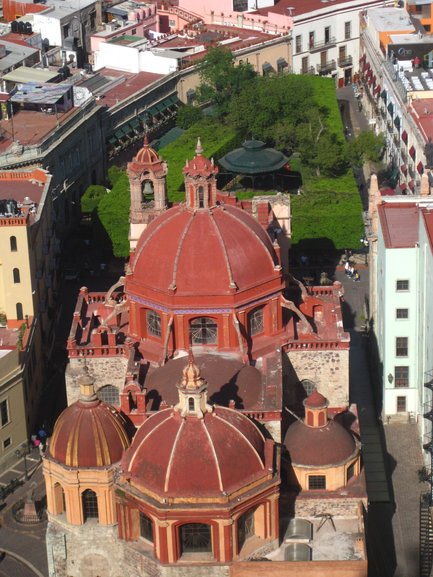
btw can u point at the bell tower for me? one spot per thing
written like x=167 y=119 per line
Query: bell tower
x=200 y=180
x=147 y=174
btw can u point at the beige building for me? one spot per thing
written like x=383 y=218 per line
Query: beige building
x=28 y=283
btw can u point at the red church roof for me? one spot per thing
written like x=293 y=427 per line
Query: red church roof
x=221 y=251
x=180 y=457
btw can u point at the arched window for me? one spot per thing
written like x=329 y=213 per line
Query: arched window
x=245 y=527
x=190 y=404
x=90 y=504
x=19 y=308
x=13 y=241
x=200 y=197
x=146 y=527
x=203 y=331
x=255 y=322
x=59 y=500
x=153 y=322
x=16 y=273
x=109 y=395
x=195 y=538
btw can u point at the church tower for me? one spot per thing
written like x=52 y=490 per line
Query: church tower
x=200 y=180
x=147 y=174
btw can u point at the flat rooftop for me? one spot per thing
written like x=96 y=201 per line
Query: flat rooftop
x=390 y=19
x=399 y=222
x=131 y=83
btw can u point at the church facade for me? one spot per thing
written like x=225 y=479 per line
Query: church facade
x=193 y=413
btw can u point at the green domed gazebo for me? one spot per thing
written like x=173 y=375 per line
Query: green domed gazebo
x=253 y=159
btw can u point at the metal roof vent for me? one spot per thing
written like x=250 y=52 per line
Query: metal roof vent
x=299 y=529
x=297 y=552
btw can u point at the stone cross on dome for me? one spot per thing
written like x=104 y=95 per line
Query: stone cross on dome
x=192 y=391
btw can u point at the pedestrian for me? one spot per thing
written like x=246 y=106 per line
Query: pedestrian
x=346 y=267
x=351 y=271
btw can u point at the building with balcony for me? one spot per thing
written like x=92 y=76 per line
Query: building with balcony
x=398 y=81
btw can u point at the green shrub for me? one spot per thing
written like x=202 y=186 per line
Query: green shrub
x=91 y=198
x=216 y=140
x=113 y=213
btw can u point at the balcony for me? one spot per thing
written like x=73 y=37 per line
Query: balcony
x=326 y=67
x=345 y=61
x=308 y=70
x=323 y=45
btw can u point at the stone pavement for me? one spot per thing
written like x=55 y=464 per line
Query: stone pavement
x=22 y=546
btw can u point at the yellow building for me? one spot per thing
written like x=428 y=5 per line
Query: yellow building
x=28 y=279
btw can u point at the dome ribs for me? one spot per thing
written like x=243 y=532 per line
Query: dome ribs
x=240 y=433
x=101 y=445
x=179 y=250
x=217 y=464
x=156 y=229
x=224 y=249
x=144 y=439
x=172 y=454
x=248 y=229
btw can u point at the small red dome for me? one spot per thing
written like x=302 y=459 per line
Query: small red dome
x=88 y=433
x=319 y=446
x=146 y=154
x=316 y=400
x=204 y=457
x=173 y=254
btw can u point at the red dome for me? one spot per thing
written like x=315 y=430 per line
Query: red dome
x=146 y=154
x=319 y=446
x=88 y=433
x=195 y=457
x=316 y=400
x=174 y=252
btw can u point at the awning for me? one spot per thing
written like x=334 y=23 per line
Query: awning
x=363 y=58
x=397 y=122
x=366 y=66
x=370 y=81
x=135 y=123
x=391 y=108
x=420 y=167
x=119 y=134
x=282 y=62
x=403 y=168
x=126 y=129
x=412 y=152
x=383 y=95
x=376 y=91
x=266 y=67
x=112 y=141
x=403 y=186
x=153 y=111
x=404 y=136
x=411 y=184
x=374 y=79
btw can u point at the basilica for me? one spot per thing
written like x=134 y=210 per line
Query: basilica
x=208 y=427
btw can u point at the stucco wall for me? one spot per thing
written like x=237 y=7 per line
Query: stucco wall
x=105 y=371
x=329 y=370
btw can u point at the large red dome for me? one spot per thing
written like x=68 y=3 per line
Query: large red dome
x=88 y=433
x=219 y=454
x=196 y=253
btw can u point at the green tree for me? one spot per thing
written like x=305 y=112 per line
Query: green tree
x=188 y=115
x=221 y=79
x=91 y=198
x=113 y=213
x=368 y=146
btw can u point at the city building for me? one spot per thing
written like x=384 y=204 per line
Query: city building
x=397 y=81
x=177 y=383
x=401 y=264
x=29 y=281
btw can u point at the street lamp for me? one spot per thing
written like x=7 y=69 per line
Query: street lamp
x=23 y=453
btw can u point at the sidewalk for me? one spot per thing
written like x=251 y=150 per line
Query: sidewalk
x=23 y=544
